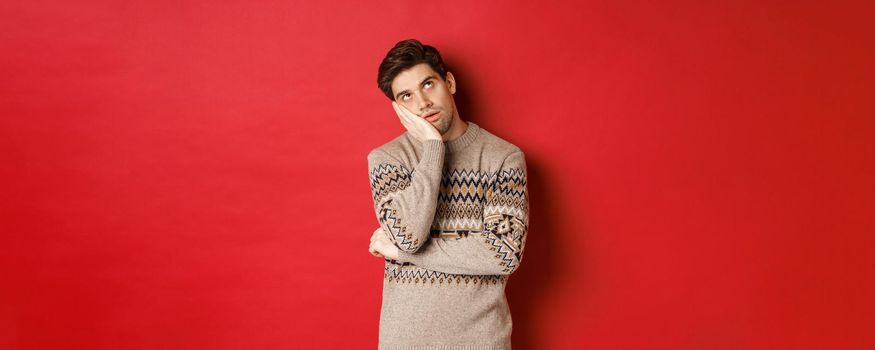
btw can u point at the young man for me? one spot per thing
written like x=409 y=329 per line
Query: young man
x=452 y=205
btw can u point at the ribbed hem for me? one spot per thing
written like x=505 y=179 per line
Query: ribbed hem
x=466 y=139
x=444 y=347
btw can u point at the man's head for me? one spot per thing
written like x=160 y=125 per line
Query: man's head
x=414 y=76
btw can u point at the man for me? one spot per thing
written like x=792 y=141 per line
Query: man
x=452 y=205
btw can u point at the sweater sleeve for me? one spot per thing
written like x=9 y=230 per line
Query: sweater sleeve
x=405 y=200
x=498 y=248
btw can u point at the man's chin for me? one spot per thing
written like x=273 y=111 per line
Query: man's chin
x=444 y=131
x=449 y=126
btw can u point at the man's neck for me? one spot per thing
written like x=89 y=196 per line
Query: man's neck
x=457 y=130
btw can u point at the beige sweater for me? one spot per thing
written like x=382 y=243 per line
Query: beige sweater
x=458 y=211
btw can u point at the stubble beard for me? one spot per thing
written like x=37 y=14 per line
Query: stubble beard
x=444 y=124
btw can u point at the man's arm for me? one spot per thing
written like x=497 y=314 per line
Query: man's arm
x=498 y=248
x=405 y=200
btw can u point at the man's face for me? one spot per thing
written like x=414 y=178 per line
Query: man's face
x=422 y=91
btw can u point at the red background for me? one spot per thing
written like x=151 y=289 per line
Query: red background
x=192 y=175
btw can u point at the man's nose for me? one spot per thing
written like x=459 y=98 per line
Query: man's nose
x=424 y=102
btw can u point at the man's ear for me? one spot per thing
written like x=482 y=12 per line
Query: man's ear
x=451 y=83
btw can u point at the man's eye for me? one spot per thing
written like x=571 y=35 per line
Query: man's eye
x=427 y=84
x=405 y=97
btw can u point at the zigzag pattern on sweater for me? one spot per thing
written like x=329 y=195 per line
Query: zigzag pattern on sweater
x=505 y=217
x=388 y=178
x=464 y=186
x=409 y=273
x=468 y=200
x=388 y=215
x=460 y=200
x=505 y=236
x=385 y=179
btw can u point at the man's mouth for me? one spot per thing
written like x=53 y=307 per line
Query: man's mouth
x=433 y=116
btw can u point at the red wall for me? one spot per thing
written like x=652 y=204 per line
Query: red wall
x=192 y=175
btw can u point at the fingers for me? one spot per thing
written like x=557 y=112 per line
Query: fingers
x=380 y=234
x=373 y=250
x=399 y=112
x=406 y=112
x=417 y=126
x=407 y=117
x=384 y=237
x=402 y=111
x=376 y=234
x=408 y=122
x=374 y=246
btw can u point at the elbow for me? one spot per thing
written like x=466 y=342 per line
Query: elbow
x=498 y=267
x=507 y=256
x=494 y=270
x=508 y=266
x=507 y=270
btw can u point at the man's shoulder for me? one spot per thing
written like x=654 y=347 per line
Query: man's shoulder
x=498 y=146
x=396 y=149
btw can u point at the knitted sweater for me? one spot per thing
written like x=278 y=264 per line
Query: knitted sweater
x=458 y=212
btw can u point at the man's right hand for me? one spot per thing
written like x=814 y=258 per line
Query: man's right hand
x=416 y=125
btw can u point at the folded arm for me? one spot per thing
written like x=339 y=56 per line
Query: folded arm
x=405 y=200
x=498 y=248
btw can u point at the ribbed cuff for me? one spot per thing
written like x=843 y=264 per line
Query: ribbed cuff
x=432 y=152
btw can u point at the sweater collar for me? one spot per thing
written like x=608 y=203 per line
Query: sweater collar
x=466 y=139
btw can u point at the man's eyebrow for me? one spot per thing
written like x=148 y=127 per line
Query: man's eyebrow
x=406 y=91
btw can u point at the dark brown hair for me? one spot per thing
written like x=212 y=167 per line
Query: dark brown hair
x=406 y=54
